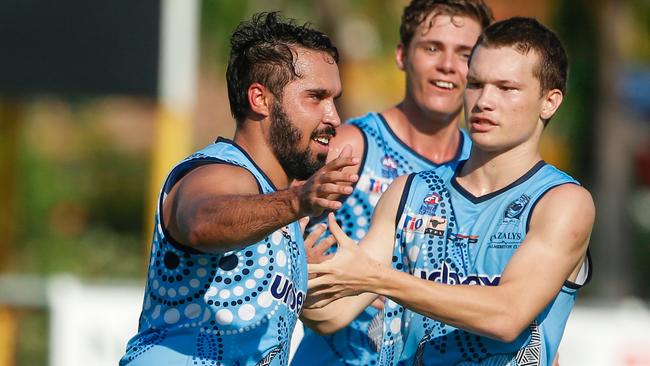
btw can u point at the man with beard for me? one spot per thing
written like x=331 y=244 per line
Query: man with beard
x=419 y=133
x=228 y=273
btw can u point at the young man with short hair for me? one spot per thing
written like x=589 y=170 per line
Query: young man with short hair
x=483 y=268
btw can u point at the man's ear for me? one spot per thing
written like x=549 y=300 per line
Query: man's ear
x=551 y=103
x=400 y=56
x=260 y=99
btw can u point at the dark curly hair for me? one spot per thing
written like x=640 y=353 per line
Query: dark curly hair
x=261 y=51
x=418 y=10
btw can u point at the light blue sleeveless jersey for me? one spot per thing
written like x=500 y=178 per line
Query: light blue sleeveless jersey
x=385 y=158
x=445 y=234
x=236 y=308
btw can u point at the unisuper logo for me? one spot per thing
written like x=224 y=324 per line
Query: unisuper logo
x=451 y=277
x=283 y=289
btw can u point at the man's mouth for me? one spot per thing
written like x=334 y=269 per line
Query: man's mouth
x=324 y=136
x=482 y=121
x=323 y=140
x=444 y=84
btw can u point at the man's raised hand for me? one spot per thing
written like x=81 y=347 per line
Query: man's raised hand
x=321 y=191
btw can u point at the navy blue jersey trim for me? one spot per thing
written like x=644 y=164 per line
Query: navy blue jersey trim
x=568 y=284
x=169 y=184
x=534 y=203
x=259 y=170
x=463 y=192
x=456 y=157
x=590 y=265
x=403 y=198
x=402 y=143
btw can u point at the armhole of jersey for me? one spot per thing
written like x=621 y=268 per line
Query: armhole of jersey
x=584 y=275
x=404 y=198
x=175 y=243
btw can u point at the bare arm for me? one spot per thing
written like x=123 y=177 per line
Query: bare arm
x=218 y=207
x=378 y=248
x=552 y=252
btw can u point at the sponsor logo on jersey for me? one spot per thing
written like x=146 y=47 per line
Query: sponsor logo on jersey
x=506 y=236
x=449 y=276
x=436 y=227
x=378 y=186
x=462 y=240
x=432 y=199
x=283 y=290
x=414 y=223
x=516 y=208
x=430 y=204
x=388 y=167
x=424 y=224
x=506 y=240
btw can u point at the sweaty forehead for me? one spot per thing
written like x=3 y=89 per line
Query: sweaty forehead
x=306 y=60
x=316 y=70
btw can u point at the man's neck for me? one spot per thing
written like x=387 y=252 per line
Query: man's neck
x=435 y=137
x=487 y=172
x=249 y=136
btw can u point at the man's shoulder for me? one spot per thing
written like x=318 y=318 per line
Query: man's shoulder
x=348 y=134
x=569 y=194
x=364 y=121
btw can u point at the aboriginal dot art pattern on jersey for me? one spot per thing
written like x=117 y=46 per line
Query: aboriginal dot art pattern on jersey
x=236 y=308
x=446 y=235
x=385 y=158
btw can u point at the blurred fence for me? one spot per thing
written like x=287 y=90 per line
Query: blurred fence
x=90 y=323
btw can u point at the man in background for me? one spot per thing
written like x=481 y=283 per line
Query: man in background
x=419 y=133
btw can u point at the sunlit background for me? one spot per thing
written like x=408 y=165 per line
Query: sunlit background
x=98 y=101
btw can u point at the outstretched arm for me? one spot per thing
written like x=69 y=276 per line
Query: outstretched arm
x=552 y=252
x=218 y=207
x=375 y=249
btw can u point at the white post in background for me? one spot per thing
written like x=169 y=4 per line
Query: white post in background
x=179 y=42
x=90 y=323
